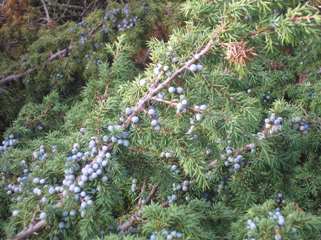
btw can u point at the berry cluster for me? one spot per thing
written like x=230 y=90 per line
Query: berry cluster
x=121 y=18
x=300 y=125
x=177 y=188
x=74 y=186
x=7 y=143
x=40 y=154
x=12 y=188
x=83 y=39
x=37 y=180
x=175 y=90
x=234 y=163
x=184 y=186
x=251 y=227
x=272 y=125
x=58 y=76
x=154 y=118
x=55 y=189
x=280 y=222
x=135 y=119
x=159 y=69
x=276 y=216
x=170 y=54
x=117 y=134
x=90 y=172
x=267 y=98
x=66 y=217
x=167 y=234
x=171 y=198
x=182 y=105
x=195 y=67
x=161 y=95
x=40 y=126
x=279 y=200
x=127 y=23
x=54 y=149
x=199 y=110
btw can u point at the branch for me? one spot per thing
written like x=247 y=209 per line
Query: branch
x=46 y=11
x=87 y=8
x=30 y=230
x=155 y=88
x=14 y=77
x=136 y=216
x=142 y=190
x=174 y=104
x=60 y=54
x=64 y=5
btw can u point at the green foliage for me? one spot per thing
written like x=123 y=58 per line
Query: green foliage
x=35 y=119
x=299 y=225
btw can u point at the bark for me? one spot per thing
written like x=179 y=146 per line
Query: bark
x=36 y=227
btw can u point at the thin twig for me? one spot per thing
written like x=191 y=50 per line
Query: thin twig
x=14 y=77
x=136 y=216
x=65 y=5
x=174 y=104
x=46 y=11
x=140 y=197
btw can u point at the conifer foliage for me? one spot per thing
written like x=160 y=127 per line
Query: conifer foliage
x=215 y=136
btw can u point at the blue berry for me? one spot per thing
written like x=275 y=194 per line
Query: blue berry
x=135 y=119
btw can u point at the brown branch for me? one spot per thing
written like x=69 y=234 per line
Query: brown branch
x=297 y=19
x=142 y=190
x=156 y=88
x=136 y=216
x=262 y=30
x=87 y=8
x=95 y=29
x=15 y=77
x=60 y=54
x=174 y=104
x=46 y=11
x=30 y=230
